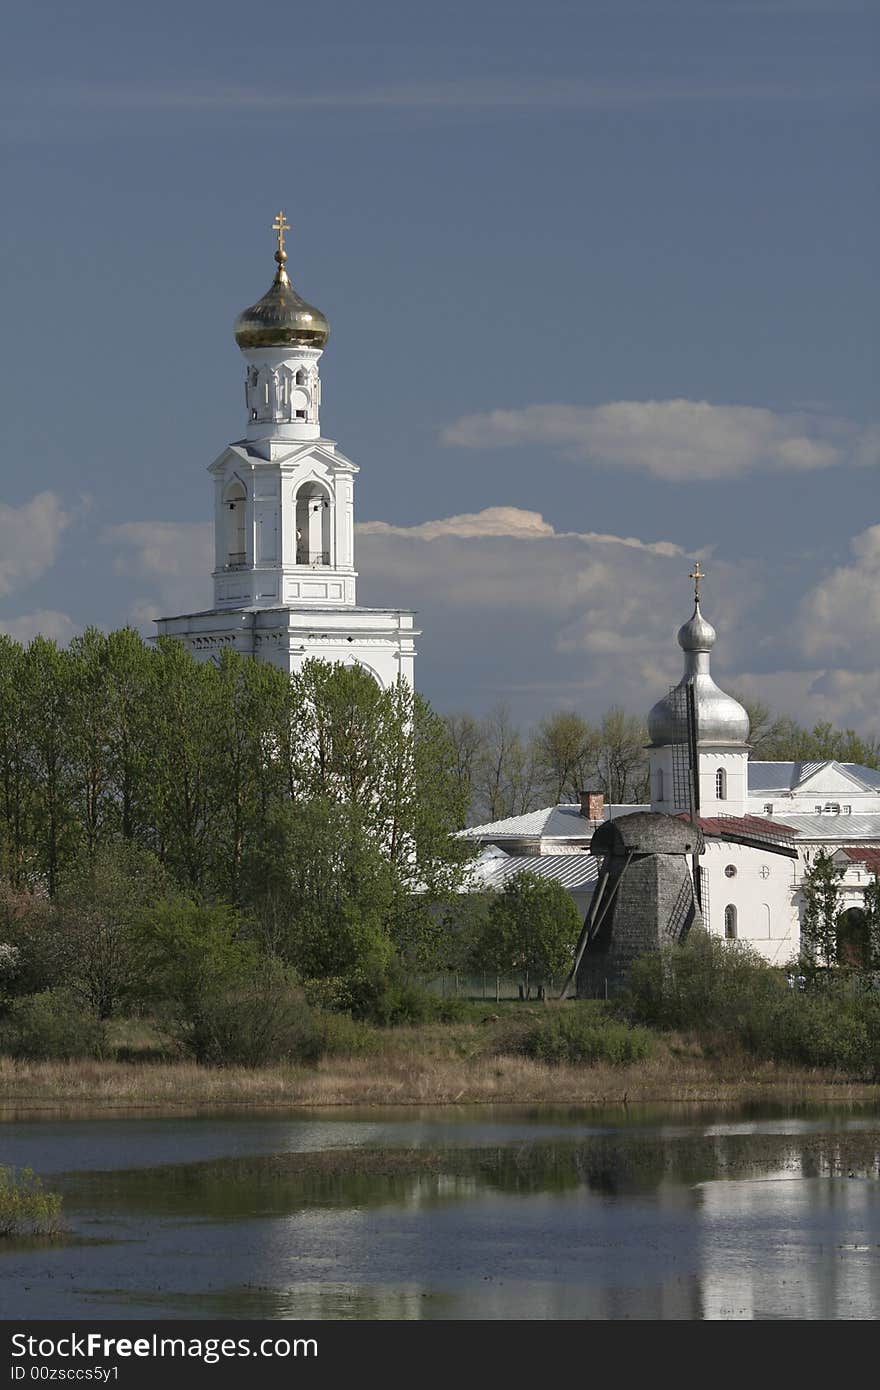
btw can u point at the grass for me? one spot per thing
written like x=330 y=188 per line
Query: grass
x=26 y=1208
x=432 y=1064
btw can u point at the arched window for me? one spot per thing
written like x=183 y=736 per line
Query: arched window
x=659 y=784
x=730 y=922
x=234 y=502
x=721 y=785
x=300 y=379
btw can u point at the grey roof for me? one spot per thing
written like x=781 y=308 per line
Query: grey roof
x=573 y=871
x=552 y=822
x=846 y=829
x=562 y=822
x=865 y=774
x=785 y=777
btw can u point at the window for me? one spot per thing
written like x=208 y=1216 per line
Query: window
x=847 y=810
x=730 y=871
x=730 y=922
x=721 y=784
x=768 y=808
x=764 y=871
x=659 y=784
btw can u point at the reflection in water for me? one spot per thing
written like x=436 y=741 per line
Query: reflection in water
x=563 y=1216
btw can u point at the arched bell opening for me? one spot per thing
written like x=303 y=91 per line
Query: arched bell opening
x=234 y=504
x=313 y=531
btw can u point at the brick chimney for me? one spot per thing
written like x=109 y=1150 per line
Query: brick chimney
x=593 y=805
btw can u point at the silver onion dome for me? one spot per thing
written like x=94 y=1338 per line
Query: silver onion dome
x=720 y=718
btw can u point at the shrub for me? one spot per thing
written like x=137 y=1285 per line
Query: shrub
x=728 y=997
x=51 y=1025
x=579 y=1034
x=706 y=984
x=260 y=1016
x=342 y=1035
x=829 y=1030
x=26 y=1209
x=386 y=997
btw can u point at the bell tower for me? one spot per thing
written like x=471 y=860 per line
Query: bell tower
x=284 y=510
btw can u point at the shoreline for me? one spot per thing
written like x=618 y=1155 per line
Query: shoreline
x=127 y=1089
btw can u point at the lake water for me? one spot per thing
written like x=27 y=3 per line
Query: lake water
x=454 y=1213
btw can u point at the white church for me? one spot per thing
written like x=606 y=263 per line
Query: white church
x=284 y=575
x=285 y=591
x=763 y=822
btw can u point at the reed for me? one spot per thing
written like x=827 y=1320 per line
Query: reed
x=416 y=1071
x=26 y=1208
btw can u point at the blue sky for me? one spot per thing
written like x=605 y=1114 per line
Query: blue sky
x=602 y=284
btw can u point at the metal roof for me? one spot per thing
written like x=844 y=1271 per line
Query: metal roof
x=831 y=827
x=572 y=871
x=554 y=822
x=562 y=822
x=786 y=777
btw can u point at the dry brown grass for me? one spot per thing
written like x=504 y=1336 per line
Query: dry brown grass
x=433 y=1066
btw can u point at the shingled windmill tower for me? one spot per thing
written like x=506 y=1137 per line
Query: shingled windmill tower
x=284 y=564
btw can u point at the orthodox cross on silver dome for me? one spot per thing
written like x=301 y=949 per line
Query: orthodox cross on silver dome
x=696 y=575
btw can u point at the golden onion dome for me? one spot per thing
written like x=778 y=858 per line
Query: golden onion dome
x=281 y=318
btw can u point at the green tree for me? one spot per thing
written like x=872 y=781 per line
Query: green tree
x=323 y=894
x=465 y=735
x=821 y=909
x=506 y=776
x=193 y=951
x=566 y=746
x=532 y=930
x=244 y=773
x=47 y=685
x=185 y=698
x=99 y=914
x=621 y=764
x=871 y=907
x=17 y=772
x=385 y=755
x=132 y=734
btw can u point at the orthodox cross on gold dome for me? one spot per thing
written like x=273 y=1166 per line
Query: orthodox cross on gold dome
x=696 y=575
x=281 y=225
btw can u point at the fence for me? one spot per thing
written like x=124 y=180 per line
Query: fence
x=490 y=987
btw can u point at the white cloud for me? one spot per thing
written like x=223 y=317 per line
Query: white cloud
x=512 y=522
x=29 y=537
x=675 y=439
x=839 y=619
x=492 y=521
x=845 y=698
x=513 y=608
x=45 y=621
x=174 y=558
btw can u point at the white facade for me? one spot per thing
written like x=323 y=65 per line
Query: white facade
x=284 y=562
x=831 y=790
x=763 y=822
x=752 y=897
